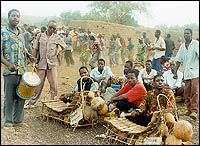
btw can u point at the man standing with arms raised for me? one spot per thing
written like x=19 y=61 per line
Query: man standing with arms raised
x=189 y=55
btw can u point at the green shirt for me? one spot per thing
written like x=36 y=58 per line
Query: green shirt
x=190 y=59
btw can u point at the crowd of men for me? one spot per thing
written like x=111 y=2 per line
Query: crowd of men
x=137 y=89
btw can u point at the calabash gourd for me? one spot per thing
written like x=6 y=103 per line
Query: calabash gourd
x=97 y=103
x=172 y=140
x=89 y=114
x=104 y=110
x=169 y=118
x=183 y=130
x=154 y=118
x=163 y=130
x=91 y=94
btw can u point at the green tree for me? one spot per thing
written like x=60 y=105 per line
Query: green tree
x=66 y=17
x=120 y=12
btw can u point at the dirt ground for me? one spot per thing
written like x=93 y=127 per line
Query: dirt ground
x=43 y=132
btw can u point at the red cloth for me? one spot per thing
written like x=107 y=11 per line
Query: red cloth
x=135 y=94
x=123 y=43
x=178 y=45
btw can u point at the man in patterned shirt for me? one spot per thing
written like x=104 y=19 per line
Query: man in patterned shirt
x=149 y=104
x=13 y=53
x=96 y=48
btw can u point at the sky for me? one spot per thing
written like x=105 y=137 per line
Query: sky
x=168 y=13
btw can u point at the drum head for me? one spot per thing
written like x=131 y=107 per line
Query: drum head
x=31 y=78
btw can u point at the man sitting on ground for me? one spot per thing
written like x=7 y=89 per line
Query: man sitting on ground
x=101 y=73
x=131 y=95
x=149 y=104
x=129 y=66
x=87 y=85
x=147 y=75
x=119 y=81
x=174 y=84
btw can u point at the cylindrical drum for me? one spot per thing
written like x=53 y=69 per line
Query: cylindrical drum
x=28 y=84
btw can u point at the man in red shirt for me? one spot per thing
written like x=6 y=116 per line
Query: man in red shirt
x=131 y=95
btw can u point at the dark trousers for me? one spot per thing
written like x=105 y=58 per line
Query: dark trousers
x=68 y=57
x=148 y=87
x=140 y=120
x=13 y=105
x=125 y=106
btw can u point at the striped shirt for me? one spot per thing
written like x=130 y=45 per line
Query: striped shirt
x=165 y=67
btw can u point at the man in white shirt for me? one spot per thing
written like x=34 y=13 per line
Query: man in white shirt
x=158 y=48
x=174 y=84
x=189 y=54
x=101 y=73
x=147 y=75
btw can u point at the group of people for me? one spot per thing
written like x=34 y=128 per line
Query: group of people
x=137 y=89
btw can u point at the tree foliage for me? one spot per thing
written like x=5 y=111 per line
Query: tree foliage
x=66 y=17
x=120 y=12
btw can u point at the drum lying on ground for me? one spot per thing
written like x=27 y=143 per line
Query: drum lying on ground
x=28 y=85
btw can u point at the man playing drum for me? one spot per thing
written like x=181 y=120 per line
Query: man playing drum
x=13 y=57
